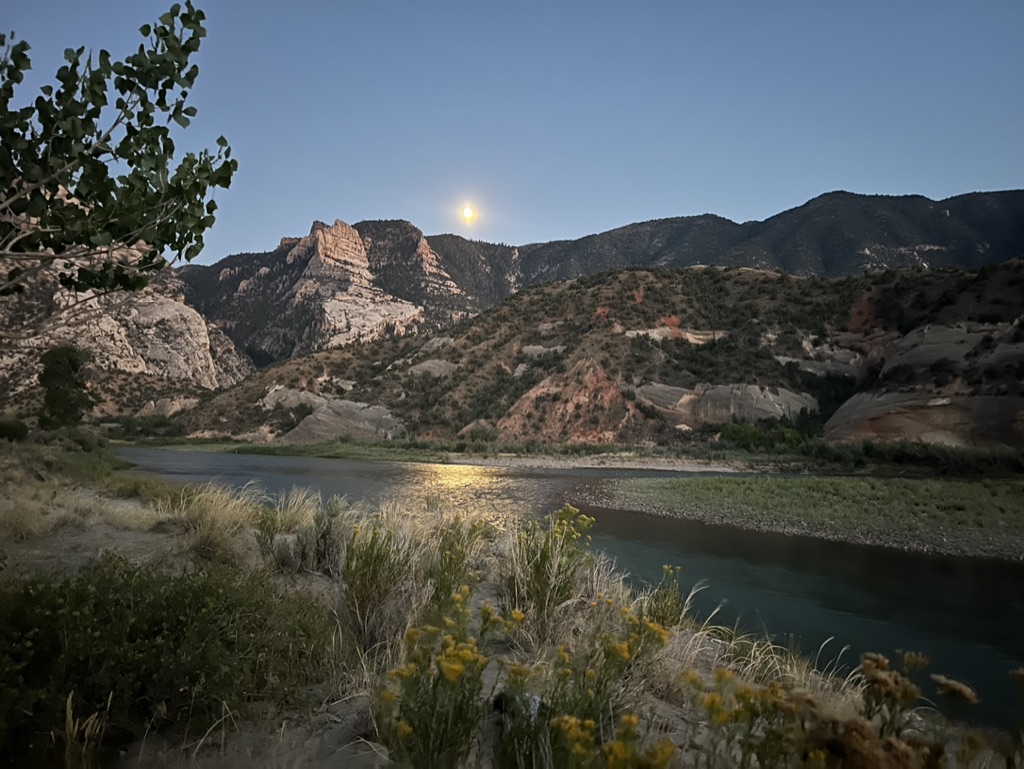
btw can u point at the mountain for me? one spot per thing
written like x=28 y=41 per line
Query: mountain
x=835 y=234
x=342 y=284
x=337 y=285
x=648 y=355
x=604 y=338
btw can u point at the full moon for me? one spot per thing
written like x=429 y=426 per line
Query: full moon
x=468 y=214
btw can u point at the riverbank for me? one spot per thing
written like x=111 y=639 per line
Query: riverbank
x=601 y=462
x=950 y=517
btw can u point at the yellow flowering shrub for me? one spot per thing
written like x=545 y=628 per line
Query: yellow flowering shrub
x=432 y=705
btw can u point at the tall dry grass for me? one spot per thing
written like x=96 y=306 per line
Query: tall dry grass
x=213 y=516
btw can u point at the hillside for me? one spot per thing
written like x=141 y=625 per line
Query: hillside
x=343 y=284
x=652 y=355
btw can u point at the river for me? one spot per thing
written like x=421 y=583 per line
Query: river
x=965 y=614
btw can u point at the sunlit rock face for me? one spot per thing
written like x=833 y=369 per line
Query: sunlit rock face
x=152 y=333
x=336 y=286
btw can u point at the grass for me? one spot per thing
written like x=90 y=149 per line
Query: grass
x=976 y=517
x=395 y=603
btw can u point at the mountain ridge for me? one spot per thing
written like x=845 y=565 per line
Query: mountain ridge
x=407 y=281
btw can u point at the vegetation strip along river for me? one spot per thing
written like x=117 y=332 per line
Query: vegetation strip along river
x=966 y=613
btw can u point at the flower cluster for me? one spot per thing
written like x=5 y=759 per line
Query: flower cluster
x=432 y=703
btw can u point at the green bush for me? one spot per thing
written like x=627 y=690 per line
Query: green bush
x=148 y=648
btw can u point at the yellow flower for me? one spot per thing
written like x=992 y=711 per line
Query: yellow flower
x=659 y=756
x=388 y=696
x=621 y=650
x=658 y=631
x=452 y=670
x=616 y=751
x=517 y=616
x=563 y=655
x=723 y=675
x=403 y=729
x=404 y=671
x=629 y=720
x=692 y=679
x=712 y=702
x=518 y=674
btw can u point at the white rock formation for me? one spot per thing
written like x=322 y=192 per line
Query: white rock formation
x=723 y=403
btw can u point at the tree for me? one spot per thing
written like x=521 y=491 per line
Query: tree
x=92 y=199
x=64 y=395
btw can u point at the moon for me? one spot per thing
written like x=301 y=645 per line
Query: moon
x=468 y=214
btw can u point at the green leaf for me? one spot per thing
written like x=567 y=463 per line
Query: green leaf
x=145 y=30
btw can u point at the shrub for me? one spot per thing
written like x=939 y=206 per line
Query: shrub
x=457 y=540
x=558 y=712
x=13 y=430
x=212 y=516
x=432 y=705
x=546 y=562
x=143 y=647
x=377 y=570
x=664 y=603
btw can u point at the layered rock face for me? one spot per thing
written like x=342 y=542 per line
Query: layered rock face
x=339 y=418
x=918 y=416
x=342 y=284
x=331 y=288
x=968 y=389
x=153 y=333
x=717 y=404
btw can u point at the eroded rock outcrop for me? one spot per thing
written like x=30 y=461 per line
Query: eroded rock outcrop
x=581 y=405
x=338 y=418
x=338 y=285
x=716 y=404
x=916 y=416
x=152 y=332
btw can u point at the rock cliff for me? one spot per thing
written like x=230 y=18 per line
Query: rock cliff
x=331 y=288
x=151 y=334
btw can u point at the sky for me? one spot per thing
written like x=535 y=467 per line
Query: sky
x=558 y=119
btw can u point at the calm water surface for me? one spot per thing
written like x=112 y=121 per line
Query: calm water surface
x=966 y=614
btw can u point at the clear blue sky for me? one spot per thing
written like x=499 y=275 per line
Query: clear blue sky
x=558 y=119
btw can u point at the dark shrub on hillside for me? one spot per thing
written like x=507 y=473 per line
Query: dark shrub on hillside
x=13 y=430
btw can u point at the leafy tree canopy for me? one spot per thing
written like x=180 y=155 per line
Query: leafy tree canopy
x=92 y=197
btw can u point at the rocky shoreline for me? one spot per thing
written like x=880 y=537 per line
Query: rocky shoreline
x=601 y=462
